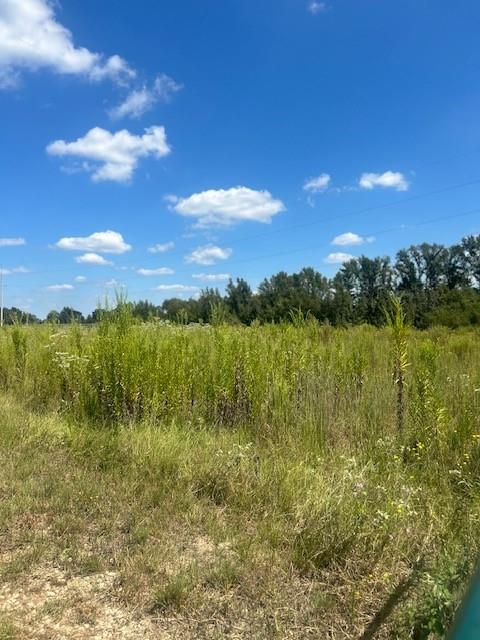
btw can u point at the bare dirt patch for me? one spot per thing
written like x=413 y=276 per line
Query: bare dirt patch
x=48 y=604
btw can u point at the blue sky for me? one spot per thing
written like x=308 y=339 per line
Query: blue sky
x=167 y=145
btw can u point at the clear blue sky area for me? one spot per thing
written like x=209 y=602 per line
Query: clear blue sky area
x=165 y=146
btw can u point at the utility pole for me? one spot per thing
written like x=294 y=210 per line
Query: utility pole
x=1 y=297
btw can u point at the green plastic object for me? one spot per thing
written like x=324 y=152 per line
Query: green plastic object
x=467 y=622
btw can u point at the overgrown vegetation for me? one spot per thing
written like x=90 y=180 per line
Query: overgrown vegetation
x=266 y=481
x=439 y=286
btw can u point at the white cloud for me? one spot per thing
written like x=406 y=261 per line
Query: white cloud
x=31 y=38
x=80 y=279
x=161 y=248
x=115 y=68
x=113 y=156
x=176 y=287
x=165 y=87
x=9 y=79
x=350 y=239
x=93 y=258
x=60 y=287
x=161 y=271
x=135 y=104
x=13 y=270
x=209 y=254
x=316 y=7
x=338 y=258
x=99 y=242
x=318 y=184
x=112 y=283
x=211 y=277
x=387 y=180
x=139 y=101
x=228 y=206
x=12 y=242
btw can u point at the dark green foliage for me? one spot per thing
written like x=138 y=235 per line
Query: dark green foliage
x=431 y=613
x=17 y=316
x=369 y=284
x=66 y=316
x=439 y=286
x=240 y=300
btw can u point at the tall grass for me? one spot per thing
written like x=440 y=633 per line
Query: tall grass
x=298 y=432
x=304 y=378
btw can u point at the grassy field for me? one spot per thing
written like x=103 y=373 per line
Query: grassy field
x=289 y=481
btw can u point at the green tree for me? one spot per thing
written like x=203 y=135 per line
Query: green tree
x=53 y=317
x=471 y=248
x=209 y=299
x=369 y=283
x=145 y=310
x=240 y=301
x=68 y=315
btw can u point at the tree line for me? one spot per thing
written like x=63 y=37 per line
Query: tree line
x=438 y=285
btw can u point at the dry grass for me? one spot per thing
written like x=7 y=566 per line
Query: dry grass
x=296 y=509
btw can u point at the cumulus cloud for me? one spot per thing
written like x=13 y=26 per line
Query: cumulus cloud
x=165 y=87
x=135 y=104
x=208 y=254
x=93 y=258
x=161 y=271
x=112 y=156
x=13 y=270
x=315 y=7
x=112 y=283
x=350 y=239
x=318 y=184
x=139 y=101
x=161 y=248
x=176 y=287
x=228 y=206
x=338 y=258
x=12 y=242
x=211 y=277
x=59 y=287
x=31 y=38
x=80 y=279
x=98 y=242
x=388 y=180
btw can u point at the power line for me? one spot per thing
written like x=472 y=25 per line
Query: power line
x=323 y=245
x=351 y=214
x=305 y=249
x=385 y=205
x=307 y=224
x=311 y=223
x=311 y=248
